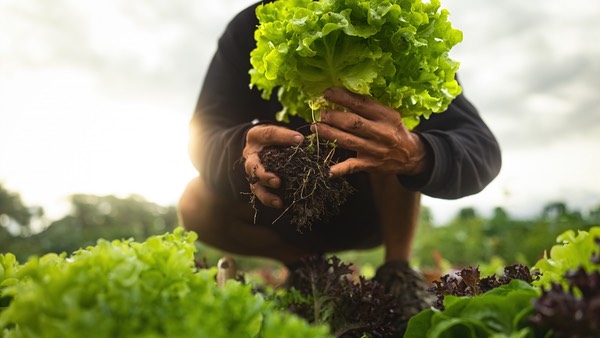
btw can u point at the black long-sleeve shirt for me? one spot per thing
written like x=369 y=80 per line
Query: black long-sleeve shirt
x=466 y=156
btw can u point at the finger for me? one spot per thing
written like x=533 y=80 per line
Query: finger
x=262 y=135
x=267 y=178
x=256 y=172
x=266 y=197
x=260 y=180
x=349 y=166
x=354 y=124
x=348 y=141
x=359 y=104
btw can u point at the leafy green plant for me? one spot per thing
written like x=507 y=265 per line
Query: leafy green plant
x=9 y=266
x=570 y=299
x=129 y=289
x=469 y=305
x=396 y=51
x=500 y=312
x=560 y=297
x=573 y=250
x=468 y=282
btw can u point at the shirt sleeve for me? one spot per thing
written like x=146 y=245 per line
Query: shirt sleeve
x=466 y=155
x=226 y=109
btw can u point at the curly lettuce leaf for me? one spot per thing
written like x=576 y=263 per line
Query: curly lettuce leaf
x=129 y=289
x=574 y=250
x=395 y=51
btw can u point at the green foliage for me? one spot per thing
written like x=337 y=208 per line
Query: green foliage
x=563 y=301
x=124 y=288
x=461 y=241
x=132 y=289
x=8 y=267
x=470 y=238
x=501 y=312
x=395 y=51
x=574 y=250
x=93 y=217
x=14 y=212
x=8 y=270
x=492 y=242
x=468 y=282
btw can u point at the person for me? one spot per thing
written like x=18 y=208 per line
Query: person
x=449 y=156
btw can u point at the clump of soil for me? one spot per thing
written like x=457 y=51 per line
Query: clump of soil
x=309 y=194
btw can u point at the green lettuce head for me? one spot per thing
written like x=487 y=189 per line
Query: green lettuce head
x=395 y=51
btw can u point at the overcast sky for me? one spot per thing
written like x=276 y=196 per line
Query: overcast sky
x=95 y=97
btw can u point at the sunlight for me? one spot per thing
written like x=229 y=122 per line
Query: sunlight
x=71 y=139
x=84 y=108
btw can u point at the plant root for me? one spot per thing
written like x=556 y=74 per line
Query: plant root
x=308 y=193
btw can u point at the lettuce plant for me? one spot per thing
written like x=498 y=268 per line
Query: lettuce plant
x=323 y=292
x=560 y=297
x=9 y=266
x=572 y=311
x=570 y=301
x=573 y=250
x=130 y=289
x=395 y=51
x=500 y=312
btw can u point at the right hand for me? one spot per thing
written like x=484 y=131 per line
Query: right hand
x=257 y=138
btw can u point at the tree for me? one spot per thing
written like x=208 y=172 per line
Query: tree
x=594 y=216
x=94 y=217
x=14 y=215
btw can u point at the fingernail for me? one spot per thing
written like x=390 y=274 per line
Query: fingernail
x=298 y=139
x=276 y=204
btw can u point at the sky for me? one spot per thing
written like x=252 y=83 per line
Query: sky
x=95 y=97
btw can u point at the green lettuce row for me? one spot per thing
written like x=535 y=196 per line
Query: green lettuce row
x=130 y=289
x=396 y=51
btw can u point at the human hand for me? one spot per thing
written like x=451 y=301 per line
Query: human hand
x=257 y=138
x=375 y=132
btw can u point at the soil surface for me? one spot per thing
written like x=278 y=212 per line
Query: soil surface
x=308 y=193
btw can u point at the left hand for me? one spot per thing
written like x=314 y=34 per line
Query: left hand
x=375 y=132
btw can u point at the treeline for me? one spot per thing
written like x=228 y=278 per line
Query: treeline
x=89 y=219
x=470 y=239
x=466 y=240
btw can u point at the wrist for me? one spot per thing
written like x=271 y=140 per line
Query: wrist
x=422 y=158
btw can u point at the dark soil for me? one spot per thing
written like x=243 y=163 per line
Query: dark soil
x=309 y=194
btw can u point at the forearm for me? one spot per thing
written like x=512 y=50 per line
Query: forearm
x=216 y=153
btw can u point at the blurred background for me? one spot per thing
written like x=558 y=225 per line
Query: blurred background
x=95 y=98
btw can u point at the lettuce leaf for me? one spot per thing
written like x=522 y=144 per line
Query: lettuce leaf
x=395 y=51
x=129 y=289
x=573 y=250
x=501 y=312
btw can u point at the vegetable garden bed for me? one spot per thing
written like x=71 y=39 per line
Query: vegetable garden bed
x=155 y=289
